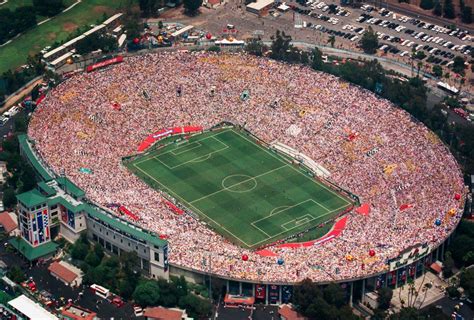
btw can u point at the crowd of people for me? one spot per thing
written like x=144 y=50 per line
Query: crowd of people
x=370 y=147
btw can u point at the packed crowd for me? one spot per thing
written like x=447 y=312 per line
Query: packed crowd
x=370 y=147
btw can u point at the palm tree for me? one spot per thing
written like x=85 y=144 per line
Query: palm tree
x=331 y=40
x=419 y=65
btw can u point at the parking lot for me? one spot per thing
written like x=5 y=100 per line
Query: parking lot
x=397 y=34
x=316 y=21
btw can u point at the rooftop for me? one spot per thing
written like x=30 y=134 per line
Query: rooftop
x=26 y=148
x=31 y=309
x=62 y=272
x=32 y=253
x=78 y=313
x=288 y=313
x=260 y=4
x=46 y=189
x=70 y=187
x=125 y=227
x=31 y=198
x=161 y=313
x=7 y=222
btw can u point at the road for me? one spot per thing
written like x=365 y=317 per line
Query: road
x=447 y=305
x=427 y=17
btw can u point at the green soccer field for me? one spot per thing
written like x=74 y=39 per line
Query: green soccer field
x=248 y=193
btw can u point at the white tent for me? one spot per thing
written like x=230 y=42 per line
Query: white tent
x=31 y=309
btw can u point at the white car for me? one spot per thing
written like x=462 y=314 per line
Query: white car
x=447 y=44
x=404 y=53
x=381 y=35
x=3 y=120
x=354 y=38
x=439 y=40
x=14 y=110
x=404 y=42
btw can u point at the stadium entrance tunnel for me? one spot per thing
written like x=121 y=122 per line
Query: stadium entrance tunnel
x=239 y=183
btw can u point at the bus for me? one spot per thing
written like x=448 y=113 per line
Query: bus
x=446 y=87
x=100 y=291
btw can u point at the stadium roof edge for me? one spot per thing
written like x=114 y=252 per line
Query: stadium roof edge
x=28 y=152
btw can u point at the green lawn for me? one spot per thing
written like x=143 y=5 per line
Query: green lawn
x=244 y=191
x=87 y=12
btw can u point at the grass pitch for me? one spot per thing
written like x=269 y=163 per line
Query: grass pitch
x=246 y=192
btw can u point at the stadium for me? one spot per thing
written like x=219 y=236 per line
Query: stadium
x=233 y=158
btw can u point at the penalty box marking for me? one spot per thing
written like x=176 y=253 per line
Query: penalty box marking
x=196 y=159
x=298 y=221
x=153 y=154
x=276 y=235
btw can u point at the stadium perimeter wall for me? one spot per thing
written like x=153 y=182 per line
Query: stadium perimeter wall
x=277 y=292
x=354 y=286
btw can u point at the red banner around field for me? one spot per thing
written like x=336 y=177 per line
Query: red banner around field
x=104 y=63
x=173 y=208
x=163 y=133
x=128 y=213
x=40 y=99
x=335 y=232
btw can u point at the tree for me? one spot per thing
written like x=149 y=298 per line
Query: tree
x=255 y=47
x=448 y=265
x=467 y=282
x=197 y=308
x=461 y=245
x=147 y=293
x=317 y=59
x=420 y=55
x=191 y=7
x=21 y=123
x=96 y=41
x=79 y=250
x=99 y=251
x=48 y=8
x=437 y=71
x=466 y=14
x=332 y=40
x=149 y=7
x=92 y=259
x=458 y=65
x=16 y=274
x=453 y=292
x=132 y=25
x=438 y=9
x=384 y=297
x=448 y=9
x=25 y=18
x=427 y=4
x=369 y=41
x=9 y=199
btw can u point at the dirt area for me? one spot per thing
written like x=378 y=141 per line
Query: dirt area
x=51 y=36
x=101 y=9
x=69 y=26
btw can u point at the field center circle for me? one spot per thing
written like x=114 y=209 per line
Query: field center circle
x=239 y=183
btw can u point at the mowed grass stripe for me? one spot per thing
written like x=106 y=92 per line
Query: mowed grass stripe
x=238 y=185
